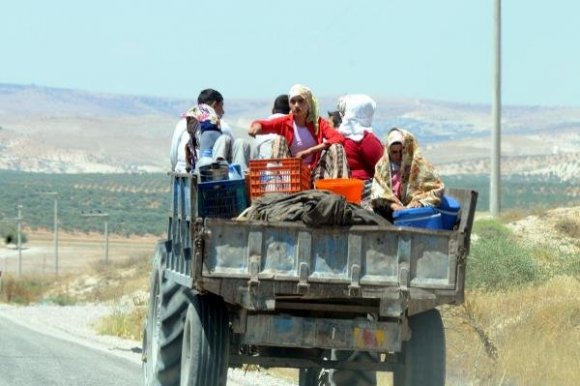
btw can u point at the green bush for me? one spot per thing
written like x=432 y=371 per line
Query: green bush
x=491 y=228
x=497 y=261
x=61 y=300
x=10 y=236
x=571 y=265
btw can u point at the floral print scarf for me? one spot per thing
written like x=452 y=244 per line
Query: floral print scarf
x=418 y=180
x=199 y=118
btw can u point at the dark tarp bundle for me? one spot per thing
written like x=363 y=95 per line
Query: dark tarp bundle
x=313 y=207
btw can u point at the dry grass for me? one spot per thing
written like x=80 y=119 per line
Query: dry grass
x=513 y=215
x=123 y=282
x=124 y=322
x=24 y=290
x=569 y=227
x=102 y=282
x=535 y=332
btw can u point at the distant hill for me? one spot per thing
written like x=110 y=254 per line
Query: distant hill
x=73 y=131
x=22 y=101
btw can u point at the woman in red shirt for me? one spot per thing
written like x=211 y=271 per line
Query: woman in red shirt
x=305 y=135
x=363 y=148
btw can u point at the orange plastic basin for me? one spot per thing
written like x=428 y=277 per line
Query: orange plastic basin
x=349 y=188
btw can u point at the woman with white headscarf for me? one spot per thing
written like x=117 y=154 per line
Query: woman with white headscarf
x=305 y=135
x=363 y=148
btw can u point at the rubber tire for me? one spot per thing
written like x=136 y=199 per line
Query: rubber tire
x=172 y=311
x=424 y=354
x=358 y=377
x=151 y=328
x=206 y=342
x=164 y=333
x=309 y=377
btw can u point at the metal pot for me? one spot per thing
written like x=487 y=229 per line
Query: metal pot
x=215 y=171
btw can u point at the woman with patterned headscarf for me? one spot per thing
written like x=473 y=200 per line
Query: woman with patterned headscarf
x=403 y=178
x=305 y=135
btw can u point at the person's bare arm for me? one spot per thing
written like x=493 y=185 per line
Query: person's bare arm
x=414 y=204
x=311 y=150
x=255 y=129
x=397 y=206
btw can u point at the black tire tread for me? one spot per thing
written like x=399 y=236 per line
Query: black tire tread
x=149 y=367
x=168 y=368
x=212 y=335
x=424 y=354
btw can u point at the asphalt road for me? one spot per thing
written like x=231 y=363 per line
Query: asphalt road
x=29 y=358
x=39 y=347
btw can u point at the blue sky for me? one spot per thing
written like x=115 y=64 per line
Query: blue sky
x=439 y=50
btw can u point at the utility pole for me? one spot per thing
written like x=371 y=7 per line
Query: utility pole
x=107 y=239
x=3 y=269
x=19 y=231
x=495 y=176
x=55 y=235
x=106 y=218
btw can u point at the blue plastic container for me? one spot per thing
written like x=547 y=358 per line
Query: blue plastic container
x=449 y=210
x=235 y=172
x=424 y=217
x=223 y=199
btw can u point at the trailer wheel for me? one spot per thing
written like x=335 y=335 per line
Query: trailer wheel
x=312 y=377
x=424 y=354
x=175 y=299
x=152 y=323
x=206 y=342
x=164 y=328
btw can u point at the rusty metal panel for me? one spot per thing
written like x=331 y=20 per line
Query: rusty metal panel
x=371 y=256
x=343 y=334
x=432 y=264
x=330 y=254
x=227 y=250
x=379 y=258
x=279 y=252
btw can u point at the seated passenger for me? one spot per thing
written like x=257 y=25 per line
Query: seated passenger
x=200 y=129
x=304 y=134
x=403 y=178
x=241 y=149
x=263 y=142
x=363 y=148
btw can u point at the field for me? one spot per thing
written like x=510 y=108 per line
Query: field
x=136 y=204
x=77 y=253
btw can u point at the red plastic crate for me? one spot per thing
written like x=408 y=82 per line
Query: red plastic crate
x=280 y=175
